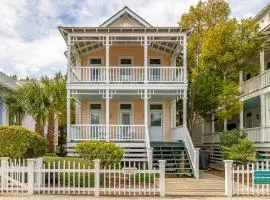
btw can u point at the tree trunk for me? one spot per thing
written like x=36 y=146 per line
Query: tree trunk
x=51 y=137
x=39 y=128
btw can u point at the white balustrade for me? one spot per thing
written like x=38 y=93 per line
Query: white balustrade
x=258 y=134
x=81 y=132
x=87 y=74
x=127 y=133
x=256 y=83
x=165 y=74
x=182 y=133
x=127 y=74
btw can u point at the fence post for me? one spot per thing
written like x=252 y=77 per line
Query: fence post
x=150 y=161
x=4 y=166
x=228 y=178
x=30 y=175
x=97 y=175
x=162 y=177
x=39 y=164
x=196 y=162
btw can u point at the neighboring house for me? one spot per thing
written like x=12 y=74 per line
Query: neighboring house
x=255 y=94
x=124 y=79
x=7 y=84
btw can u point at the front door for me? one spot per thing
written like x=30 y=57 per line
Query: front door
x=125 y=117
x=156 y=125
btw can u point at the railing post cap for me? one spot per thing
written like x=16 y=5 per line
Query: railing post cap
x=162 y=163
x=97 y=161
x=228 y=162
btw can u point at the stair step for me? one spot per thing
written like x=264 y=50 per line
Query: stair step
x=135 y=155
x=135 y=159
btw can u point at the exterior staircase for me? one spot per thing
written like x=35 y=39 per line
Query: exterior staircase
x=176 y=156
x=134 y=151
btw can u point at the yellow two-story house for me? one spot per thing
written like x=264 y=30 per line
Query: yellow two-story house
x=125 y=81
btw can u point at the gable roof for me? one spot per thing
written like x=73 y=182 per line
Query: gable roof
x=122 y=13
x=262 y=12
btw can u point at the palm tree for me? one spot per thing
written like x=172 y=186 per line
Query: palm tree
x=55 y=90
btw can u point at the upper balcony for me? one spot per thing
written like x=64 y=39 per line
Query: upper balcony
x=127 y=75
x=256 y=83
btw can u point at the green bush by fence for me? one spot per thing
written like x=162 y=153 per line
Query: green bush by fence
x=108 y=153
x=19 y=142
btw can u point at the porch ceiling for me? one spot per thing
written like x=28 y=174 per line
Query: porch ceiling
x=127 y=95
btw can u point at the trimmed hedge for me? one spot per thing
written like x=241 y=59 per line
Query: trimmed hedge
x=108 y=153
x=19 y=142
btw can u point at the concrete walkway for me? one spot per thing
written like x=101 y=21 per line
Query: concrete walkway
x=206 y=185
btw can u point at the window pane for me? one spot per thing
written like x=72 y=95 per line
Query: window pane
x=156 y=119
x=125 y=61
x=125 y=106
x=155 y=61
x=126 y=118
x=95 y=117
x=95 y=61
x=95 y=106
x=156 y=107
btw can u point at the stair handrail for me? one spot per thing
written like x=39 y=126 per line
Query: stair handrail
x=149 y=150
x=182 y=133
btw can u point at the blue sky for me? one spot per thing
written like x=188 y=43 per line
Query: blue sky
x=30 y=43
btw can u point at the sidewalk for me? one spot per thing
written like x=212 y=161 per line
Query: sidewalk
x=65 y=197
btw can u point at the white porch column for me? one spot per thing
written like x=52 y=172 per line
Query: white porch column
x=225 y=124
x=173 y=114
x=241 y=114
x=107 y=97
x=263 y=120
x=145 y=59
x=262 y=61
x=267 y=109
x=145 y=108
x=185 y=59
x=241 y=120
x=68 y=116
x=185 y=108
x=5 y=114
x=69 y=59
x=107 y=44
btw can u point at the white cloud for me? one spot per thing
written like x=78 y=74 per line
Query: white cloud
x=30 y=43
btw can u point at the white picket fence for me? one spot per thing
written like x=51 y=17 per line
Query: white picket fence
x=33 y=176
x=239 y=180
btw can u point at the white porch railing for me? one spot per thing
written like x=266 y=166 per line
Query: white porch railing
x=256 y=83
x=124 y=74
x=87 y=74
x=258 y=134
x=80 y=132
x=181 y=133
x=165 y=74
x=127 y=133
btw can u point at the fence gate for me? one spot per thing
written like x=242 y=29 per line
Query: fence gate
x=251 y=179
x=33 y=176
x=14 y=176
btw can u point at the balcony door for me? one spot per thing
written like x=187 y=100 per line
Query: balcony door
x=156 y=122
x=125 y=70
x=95 y=70
x=155 y=72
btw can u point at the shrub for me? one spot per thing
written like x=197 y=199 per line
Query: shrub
x=19 y=142
x=107 y=152
x=235 y=146
x=229 y=138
